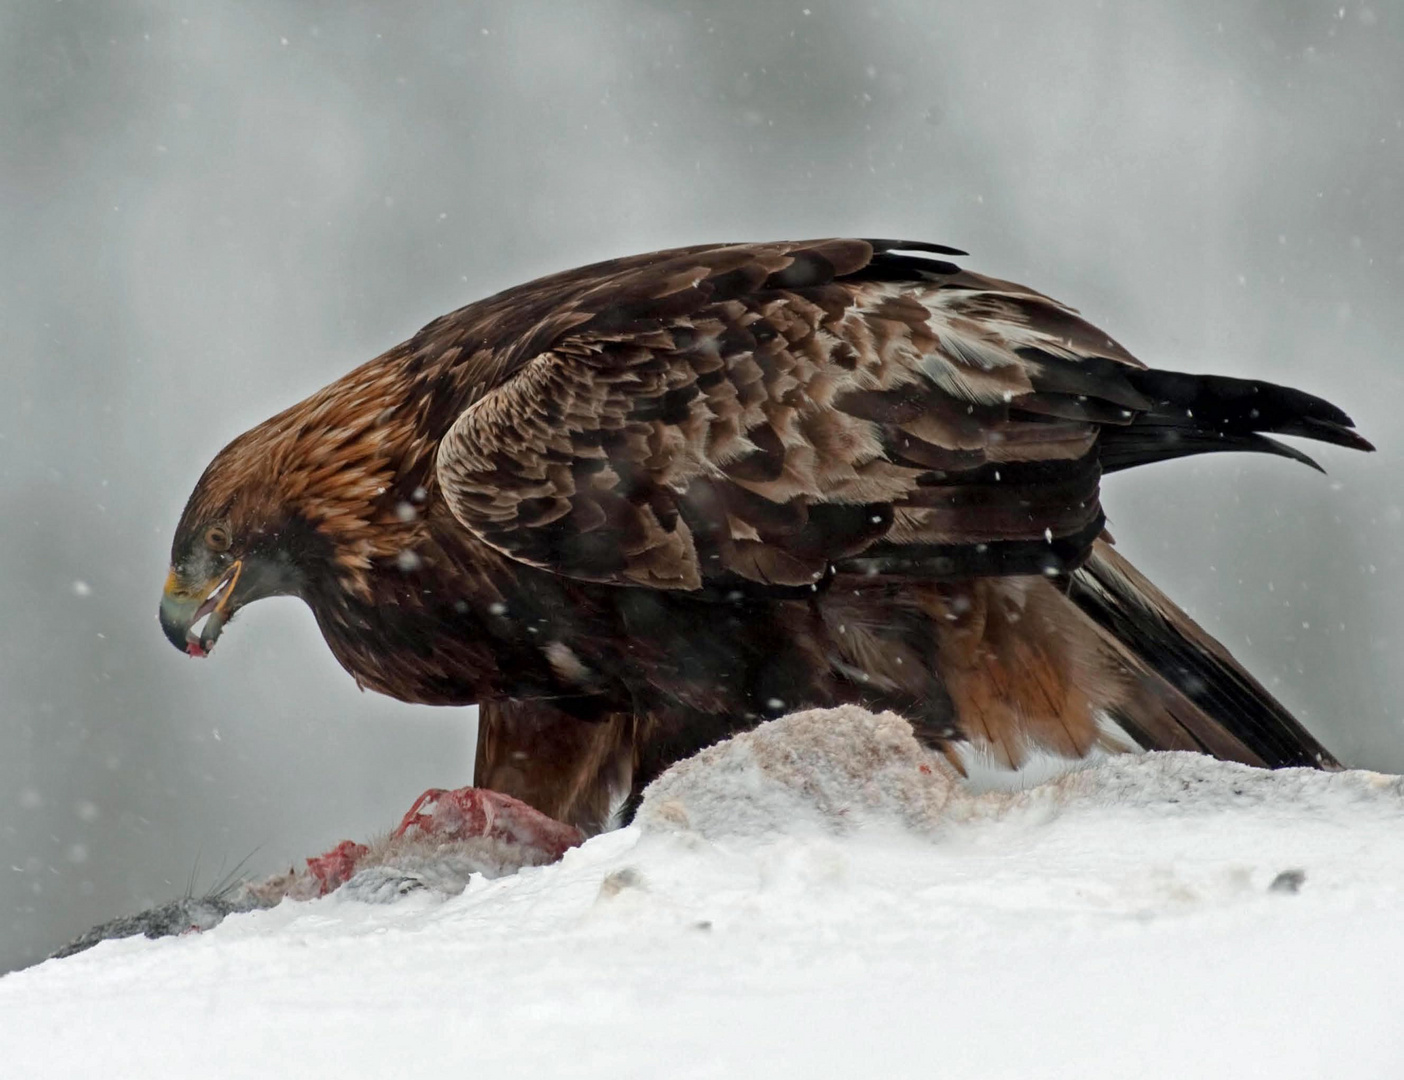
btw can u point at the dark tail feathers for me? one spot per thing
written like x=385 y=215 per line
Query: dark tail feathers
x=1193 y=694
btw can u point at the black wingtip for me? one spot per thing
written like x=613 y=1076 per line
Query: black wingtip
x=1233 y=407
x=1265 y=445
x=1339 y=434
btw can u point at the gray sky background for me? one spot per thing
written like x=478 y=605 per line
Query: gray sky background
x=208 y=210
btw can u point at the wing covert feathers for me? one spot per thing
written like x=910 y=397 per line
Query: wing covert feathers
x=753 y=414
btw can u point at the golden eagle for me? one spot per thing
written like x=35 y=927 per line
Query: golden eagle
x=632 y=508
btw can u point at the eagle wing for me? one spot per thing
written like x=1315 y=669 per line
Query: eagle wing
x=753 y=414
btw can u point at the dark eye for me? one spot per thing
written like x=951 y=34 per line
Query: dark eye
x=217 y=538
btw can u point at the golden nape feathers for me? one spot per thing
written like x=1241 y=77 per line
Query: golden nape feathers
x=634 y=507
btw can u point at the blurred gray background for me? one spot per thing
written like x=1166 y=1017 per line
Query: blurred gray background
x=212 y=209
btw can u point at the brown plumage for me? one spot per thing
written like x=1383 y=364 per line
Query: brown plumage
x=631 y=508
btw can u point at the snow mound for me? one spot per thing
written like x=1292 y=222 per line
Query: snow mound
x=844 y=769
x=832 y=769
x=820 y=897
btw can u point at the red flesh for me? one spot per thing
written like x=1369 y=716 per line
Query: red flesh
x=468 y=812
x=334 y=868
x=446 y=816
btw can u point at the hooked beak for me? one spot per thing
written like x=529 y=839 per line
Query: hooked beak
x=183 y=609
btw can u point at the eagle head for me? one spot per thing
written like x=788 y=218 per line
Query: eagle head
x=315 y=500
x=237 y=541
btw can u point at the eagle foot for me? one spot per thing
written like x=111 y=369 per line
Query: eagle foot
x=470 y=812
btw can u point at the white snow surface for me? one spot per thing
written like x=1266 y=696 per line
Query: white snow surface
x=818 y=898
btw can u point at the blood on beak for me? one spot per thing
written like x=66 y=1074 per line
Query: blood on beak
x=193 y=618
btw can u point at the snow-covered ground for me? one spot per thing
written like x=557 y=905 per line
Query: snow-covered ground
x=818 y=898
